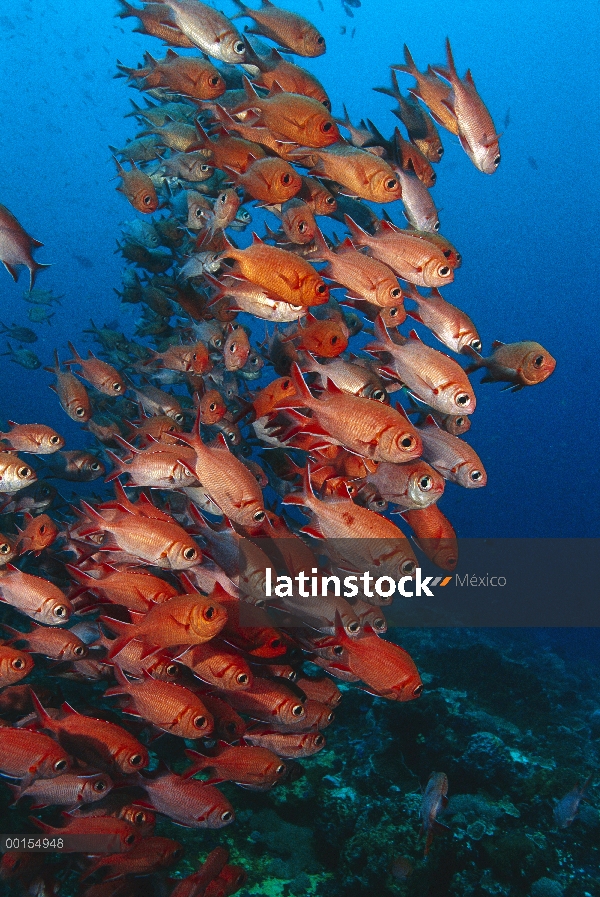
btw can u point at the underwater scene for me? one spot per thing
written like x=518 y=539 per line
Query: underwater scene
x=298 y=470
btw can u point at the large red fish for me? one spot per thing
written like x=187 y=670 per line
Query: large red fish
x=16 y=247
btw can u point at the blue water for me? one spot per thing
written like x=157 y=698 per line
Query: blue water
x=526 y=236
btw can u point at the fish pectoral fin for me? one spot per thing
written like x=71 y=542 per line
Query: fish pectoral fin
x=312 y=530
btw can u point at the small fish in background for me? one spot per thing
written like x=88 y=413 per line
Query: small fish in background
x=520 y=364
x=565 y=811
x=41 y=297
x=507 y=119
x=25 y=357
x=434 y=801
x=321 y=7
x=40 y=314
x=20 y=334
x=17 y=247
x=532 y=163
x=83 y=260
x=342 y=29
x=347 y=10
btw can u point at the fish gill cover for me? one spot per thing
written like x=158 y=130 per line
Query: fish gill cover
x=163 y=664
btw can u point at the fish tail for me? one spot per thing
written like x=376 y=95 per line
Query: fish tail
x=44 y=718
x=243 y=10
x=409 y=64
x=126 y=10
x=477 y=360
x=33 y=272
x=77 y=359
x=302 y=389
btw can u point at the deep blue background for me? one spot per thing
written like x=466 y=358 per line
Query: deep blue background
x=528 y=237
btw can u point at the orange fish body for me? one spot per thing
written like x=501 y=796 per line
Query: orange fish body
x=188 y=801
x=269 y=180
x=146 y=856
x=324 y=338
x=59 y=644
x=16 y=247
x=190 y=76
x=359 y=172
x=71 y=393
x=412 y=256
x=410 y=486
x=225 y=149
x=29 y=755
x=364 y=277
x=430 y=375
x=367 y=427
x=290 y=77
x=451 y=456
x=245 y=765
x=101 y=375
x=476 y=130
x=386 y=669
x=286 y=28
x=451 y=325
x=34 y=596
x=290 y=277
x=434 y=92
x=208 y=29
x=412 y=159
x=292 y=745
x=14 y=665
x=138 y=189
x=35 y=438
x=218 y=666
x=136 y=590
x=170 y=707
x=14 y=474
x=434 y=534
x=292 y=116
x=94 y=740
x=520 y=364
x=159 y=542
x=152 y=22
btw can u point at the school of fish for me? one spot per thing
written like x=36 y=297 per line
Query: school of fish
x=257 y=435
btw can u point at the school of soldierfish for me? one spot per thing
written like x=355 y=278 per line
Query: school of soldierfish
x=157 y=595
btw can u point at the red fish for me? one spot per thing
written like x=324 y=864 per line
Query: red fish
x=16 y=247
x=29 y=755
x=188 y=801
x=254 y=767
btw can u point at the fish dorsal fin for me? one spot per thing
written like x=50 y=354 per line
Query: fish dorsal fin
x=332 y=389
x=431 y=422
x=415 y=336
x=256 y=239
x=171 y=54
x=496 y=344
x=66 y=707
x=275 y=89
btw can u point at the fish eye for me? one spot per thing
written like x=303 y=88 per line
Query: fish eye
x=99 y=786
x=258 y=516
x=280 y=769
x=286 y=179
x=129 y=839
x=538 y=361
x=54 y=440
x=285 y=384
x=298 y=710
x=80 y=411
x=393 y=312
x=172 y=670
x=217 y=343
x=475 y=475
x=136 y=760
x=380 y=503
x=60 y=765
x=231 y=437
x=334 y=340
x=318 y=740
x=330 y=200
x=302 y=227
x=320 y=40
x=444 y=271
x=4 y=548
x=117 y=387
x=440 y=151
x=338 y=649
x=23 y=472
x=95 y=465
x=408 y=567
x=200 y=722
x=354 y=626
x=214 y=80
x=321 y=289
x=395 y=292
x=18 y=663
x=239 y=47
x=199 y=213
x=190 y=554
x=408 y=442
x=226 y=816
x=212 y=406
x=233 y=347
x=326 y=126
x=433 y=177
x=209 y=612
x=436 y=226
x=139 y=818
x=378 y=395
x=327 y=104
x=60 y=611
x=147 y=199
x=476 y=344
x=204 y=168
x=242 y=678
x=463 y=398
x=178 y=418
x=425 y=483
x=379 y=623
x=460 y=421
x=391 y=184
x=80 y=650
x=497 y=160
